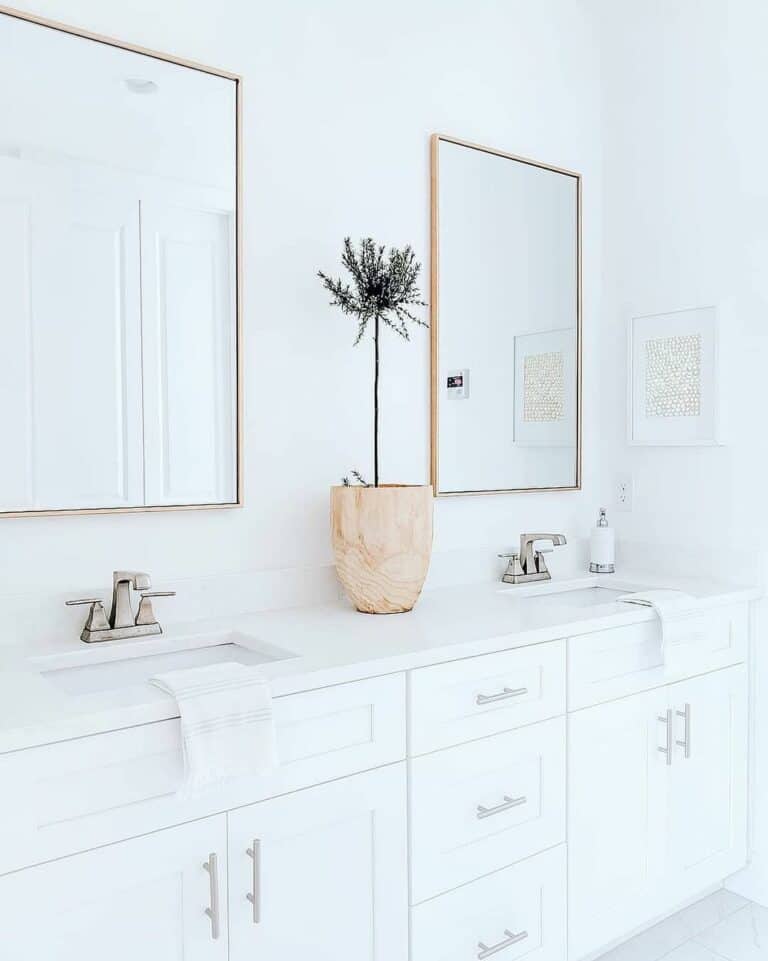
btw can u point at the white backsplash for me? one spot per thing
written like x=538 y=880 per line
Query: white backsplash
x=31 y=617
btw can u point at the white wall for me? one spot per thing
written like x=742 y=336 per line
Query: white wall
x=340 y=98
x=686 y=215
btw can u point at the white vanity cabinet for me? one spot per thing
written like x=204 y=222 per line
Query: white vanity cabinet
x=321 y=875
x=541 y=802
x=140 y=899
x=706 y=834
x=617 y=798
x=317 y=875
x=657 y=803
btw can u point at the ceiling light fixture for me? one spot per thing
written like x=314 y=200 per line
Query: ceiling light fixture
x=140 y=86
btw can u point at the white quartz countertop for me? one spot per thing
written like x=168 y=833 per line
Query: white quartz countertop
x=332 y=644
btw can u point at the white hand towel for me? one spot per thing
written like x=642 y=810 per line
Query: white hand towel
x=226 y=722
x=672 y=607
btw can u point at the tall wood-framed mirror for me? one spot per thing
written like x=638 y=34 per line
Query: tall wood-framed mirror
x=506 y=322
x=120 y=379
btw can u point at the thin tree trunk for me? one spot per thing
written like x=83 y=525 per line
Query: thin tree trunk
x=376 y=404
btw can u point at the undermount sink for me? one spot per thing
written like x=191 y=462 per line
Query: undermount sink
x=564 y=594
x=584 y=597
x=129 y=663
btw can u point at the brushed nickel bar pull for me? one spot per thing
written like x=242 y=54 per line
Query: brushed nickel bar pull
x=686 y=741
x=501 y=696
x=668 y=720
x=212 y=867
x=506 y=805
x=484 y=951
x=254 y=896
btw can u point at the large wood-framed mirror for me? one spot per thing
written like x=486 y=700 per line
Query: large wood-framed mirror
x=506 y=322
x=120 y=381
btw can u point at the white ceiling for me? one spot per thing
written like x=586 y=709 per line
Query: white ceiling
x=67 y=95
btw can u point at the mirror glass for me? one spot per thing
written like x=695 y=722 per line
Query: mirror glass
x=118 y=301
x=505 y=322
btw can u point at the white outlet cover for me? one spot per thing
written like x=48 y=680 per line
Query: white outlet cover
x=624 y=492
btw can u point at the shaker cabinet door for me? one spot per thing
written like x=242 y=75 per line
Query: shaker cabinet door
x=707 y=819
x=616 y=821
x=189 y=349
x=321 y=875
x=70 y=364
x=139 y=900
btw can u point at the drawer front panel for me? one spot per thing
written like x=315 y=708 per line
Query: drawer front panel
x=78 y=794
x=479 y=807
x=610 y=664
x=516 y=913
x=478 y=696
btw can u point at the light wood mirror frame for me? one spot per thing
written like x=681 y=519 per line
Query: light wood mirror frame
x=238 y=268
x=435 y=141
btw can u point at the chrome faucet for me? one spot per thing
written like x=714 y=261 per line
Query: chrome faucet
x=529 y=564
x=121 y=623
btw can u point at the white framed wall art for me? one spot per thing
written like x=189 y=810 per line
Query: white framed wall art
x=673 y=378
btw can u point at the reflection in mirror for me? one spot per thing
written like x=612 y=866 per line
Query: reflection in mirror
x=118 y=303
x=505 y=322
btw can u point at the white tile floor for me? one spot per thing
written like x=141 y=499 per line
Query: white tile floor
x=721 y=927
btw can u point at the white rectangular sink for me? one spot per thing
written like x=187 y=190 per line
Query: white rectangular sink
x=121 y=664
x=582 y=597
x=573 y=594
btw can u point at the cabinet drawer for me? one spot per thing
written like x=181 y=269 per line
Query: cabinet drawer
x=478 y=696
x=78 y=794
x=482 y=806
x=520 y=912
x=609 y=664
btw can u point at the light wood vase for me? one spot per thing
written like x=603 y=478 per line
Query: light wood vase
x=382 y=542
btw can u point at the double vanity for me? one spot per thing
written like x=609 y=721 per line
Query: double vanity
x=521 y=770
x=516 y=770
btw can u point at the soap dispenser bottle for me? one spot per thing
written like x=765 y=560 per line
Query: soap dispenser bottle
x=602 y=547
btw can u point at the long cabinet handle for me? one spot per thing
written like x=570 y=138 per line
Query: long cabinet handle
x=212 y=867
x=506 y=805
x=501 y=696
x=667 y=750
x=254 y=896
x=686 y=741
x=484 y=951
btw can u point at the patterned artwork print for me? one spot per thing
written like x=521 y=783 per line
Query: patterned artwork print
x=544 y=387
x=673 y=376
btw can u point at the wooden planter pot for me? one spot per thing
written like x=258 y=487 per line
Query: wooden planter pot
x=382 y=542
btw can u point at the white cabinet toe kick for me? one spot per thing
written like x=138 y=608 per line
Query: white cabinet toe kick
x=540 y=802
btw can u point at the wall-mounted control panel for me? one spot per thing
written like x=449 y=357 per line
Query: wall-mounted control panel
x=457 y=384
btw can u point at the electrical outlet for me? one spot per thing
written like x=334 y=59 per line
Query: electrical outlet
x=624 y=492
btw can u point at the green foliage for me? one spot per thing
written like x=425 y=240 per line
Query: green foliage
x=358 y=477
x=383 y=286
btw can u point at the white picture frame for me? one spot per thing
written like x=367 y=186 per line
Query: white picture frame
x=560 y=430
x=673 y=378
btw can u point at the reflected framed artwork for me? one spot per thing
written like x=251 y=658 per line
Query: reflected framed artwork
x=545 y=388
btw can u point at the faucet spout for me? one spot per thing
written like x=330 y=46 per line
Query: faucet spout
x=532 y=561
x=122 y=582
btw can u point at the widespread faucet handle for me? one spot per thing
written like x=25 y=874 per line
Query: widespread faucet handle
x=146 y=613
x=514 y=568
x=97 y=616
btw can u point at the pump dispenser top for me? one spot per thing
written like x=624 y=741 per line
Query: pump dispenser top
x=602 y=546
